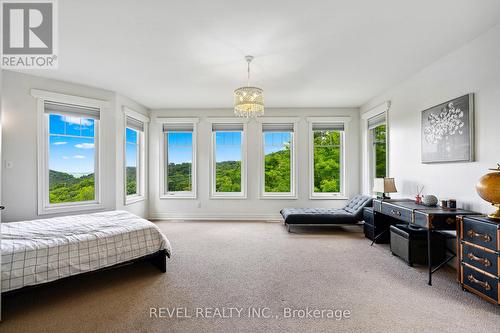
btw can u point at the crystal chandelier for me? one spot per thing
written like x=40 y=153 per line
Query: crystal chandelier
x=248 y=101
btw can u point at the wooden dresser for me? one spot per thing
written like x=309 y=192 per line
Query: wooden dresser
x=479 y=260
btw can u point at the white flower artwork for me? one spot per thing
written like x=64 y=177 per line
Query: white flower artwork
x=445 y=123
x=447 y=131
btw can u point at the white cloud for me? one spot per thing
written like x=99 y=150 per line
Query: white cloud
x=77 y=121
x=57 y=143
x=85 y=145
x=78 y=156
x=65 y=158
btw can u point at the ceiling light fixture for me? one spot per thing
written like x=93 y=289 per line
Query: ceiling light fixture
x=249 y=101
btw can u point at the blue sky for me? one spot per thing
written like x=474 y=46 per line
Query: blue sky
x=227 y=146
x=71 y=144
x=180 y=149
x=276 y=141
x=131 y=148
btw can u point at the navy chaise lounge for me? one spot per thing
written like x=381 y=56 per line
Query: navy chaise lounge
x=351 y=213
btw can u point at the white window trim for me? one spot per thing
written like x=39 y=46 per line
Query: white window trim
x=194 y=169
x=229 y=195
x=367 y=172
x=292 y=195
x=44 y=207
x=143 y=153
x=343 y=172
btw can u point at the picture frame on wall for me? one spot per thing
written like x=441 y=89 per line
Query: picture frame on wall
x=447 y=132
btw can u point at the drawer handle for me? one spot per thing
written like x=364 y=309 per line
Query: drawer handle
x=483 y=237
x=395 y=212
x=483 y=284
x=483 y=261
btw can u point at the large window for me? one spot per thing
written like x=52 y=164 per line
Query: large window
x=179 y=160
x=378 y=150
x=278 y=160
x=327 y=169
x=135 y=156
x=68 y=165
x=228 y=167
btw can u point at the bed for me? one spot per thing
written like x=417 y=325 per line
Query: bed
x=40 y=251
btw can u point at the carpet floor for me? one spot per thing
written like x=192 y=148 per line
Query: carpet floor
x=259 y=267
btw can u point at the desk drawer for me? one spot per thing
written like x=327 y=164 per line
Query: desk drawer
x=480 y=233
x=483 y=260
x=480 y=282
x=396 y=212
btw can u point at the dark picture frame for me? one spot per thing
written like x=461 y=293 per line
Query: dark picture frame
x=447 y=131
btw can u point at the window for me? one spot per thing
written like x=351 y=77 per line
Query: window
x=228 y=162
x=278 y=162
x=327 y=160
x=179 y=163
x=135 y=156
x=378 y=154
x=68 y=164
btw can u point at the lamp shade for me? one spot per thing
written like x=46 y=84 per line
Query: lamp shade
x=384 y=185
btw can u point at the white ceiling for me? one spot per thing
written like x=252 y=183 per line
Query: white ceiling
x=190 y=54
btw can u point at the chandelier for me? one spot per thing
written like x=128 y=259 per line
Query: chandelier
x=249 y=101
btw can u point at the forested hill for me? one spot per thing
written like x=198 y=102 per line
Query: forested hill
x=64 y=187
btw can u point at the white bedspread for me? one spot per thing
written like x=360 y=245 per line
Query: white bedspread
x=39 y=251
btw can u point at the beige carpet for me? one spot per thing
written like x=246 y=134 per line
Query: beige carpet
x=257 y=265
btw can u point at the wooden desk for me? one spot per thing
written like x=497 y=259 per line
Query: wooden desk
x=430 y=218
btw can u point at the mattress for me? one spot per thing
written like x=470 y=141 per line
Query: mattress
x=39 y=251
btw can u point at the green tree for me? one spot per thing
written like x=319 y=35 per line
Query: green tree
x=326 y=161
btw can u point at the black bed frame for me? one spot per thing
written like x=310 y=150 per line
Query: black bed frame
x=158 y=259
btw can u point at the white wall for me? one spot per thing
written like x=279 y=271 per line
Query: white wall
x=475 y=68
x=252 y=207
x=140 y=208
x=19 y=190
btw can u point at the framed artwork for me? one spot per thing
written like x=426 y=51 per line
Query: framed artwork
x=447 y=132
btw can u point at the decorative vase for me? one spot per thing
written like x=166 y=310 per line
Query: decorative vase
x=488 y=188
x=430 y=200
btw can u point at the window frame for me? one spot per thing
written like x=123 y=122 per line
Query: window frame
x=164 y=194
x=141 y=160
x=342 y=195
x=228 y=195
x=44 y=206
x=380 y=109
x=293 y=163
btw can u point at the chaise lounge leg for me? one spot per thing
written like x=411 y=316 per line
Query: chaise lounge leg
x=287 y=227
x=160 y=261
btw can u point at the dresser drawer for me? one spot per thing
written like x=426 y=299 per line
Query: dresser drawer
x=481 y=259
x=480 y=233
x=480 y=282
x=397 y=212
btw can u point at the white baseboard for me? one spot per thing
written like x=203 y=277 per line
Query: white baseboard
x=216 y=217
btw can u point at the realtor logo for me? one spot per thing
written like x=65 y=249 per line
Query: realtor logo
x=28 y=34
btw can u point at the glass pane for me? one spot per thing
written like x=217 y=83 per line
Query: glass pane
x=179 y=161
x=57 y=125
x=228 y=161
x=131 y=135
x=71 y=169
x=327 y=161
x=379 y=135
x=277 y=161
x=132 y=162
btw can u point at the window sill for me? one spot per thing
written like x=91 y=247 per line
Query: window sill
x=131 y=199
x=328 y=197
x=228 y=196
x=278 y=197
x=68 y=208
x=178 y=196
